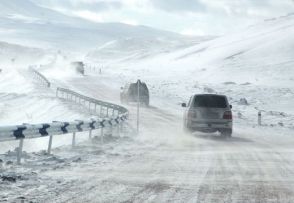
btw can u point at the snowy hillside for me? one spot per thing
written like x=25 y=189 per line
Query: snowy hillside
x=264 y=45
x=42 y=27
x=142 y=47
x=19 y=55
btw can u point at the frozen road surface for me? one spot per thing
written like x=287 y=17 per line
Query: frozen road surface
x=158 y=164
x=162 y=164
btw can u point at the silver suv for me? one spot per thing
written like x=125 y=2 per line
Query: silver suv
x=208 y=113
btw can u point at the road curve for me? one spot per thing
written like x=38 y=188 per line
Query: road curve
x=161 y=164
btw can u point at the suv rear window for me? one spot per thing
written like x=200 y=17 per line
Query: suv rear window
x=143 y=89
x=210 y=101
x=78 y=65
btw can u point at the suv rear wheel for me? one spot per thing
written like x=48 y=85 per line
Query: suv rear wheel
x=126 y=101
x=226 y=133
x=186 y=128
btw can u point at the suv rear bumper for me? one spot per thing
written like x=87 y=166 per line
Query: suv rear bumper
x=135 y=99
x=209 y=127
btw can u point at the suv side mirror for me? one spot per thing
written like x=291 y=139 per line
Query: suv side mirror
x=184 y=105
x=230 y=106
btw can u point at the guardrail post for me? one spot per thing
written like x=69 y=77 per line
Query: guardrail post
x=100 y=109
x=95 y=107
x=118 y=129
x=73 y=140
x=50 y=145
x=90 y=134
x=121 y=127
x=107 y=111
x=19 y=151
x=259 y=118
x=101 y=138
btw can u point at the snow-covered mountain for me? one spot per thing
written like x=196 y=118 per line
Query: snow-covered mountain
x=267 y=48
x=142 y=47
x=23 y=22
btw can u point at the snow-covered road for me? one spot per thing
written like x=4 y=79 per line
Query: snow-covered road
x=161 y=164
x=158 y=164
x=203 y=169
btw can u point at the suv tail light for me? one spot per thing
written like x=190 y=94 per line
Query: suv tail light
x=191 y=114
x=228 y=115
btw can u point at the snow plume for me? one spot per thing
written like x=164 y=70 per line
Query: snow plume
x=12 y=54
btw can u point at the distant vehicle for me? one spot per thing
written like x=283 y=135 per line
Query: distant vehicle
x=130 y=93
x=208 y=113
x=78 y=66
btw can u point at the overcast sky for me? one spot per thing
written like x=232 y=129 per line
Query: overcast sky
x=193 y=17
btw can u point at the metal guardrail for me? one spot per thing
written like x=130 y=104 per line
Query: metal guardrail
x=30 y=131
x=40 y=77
x=104 y=106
